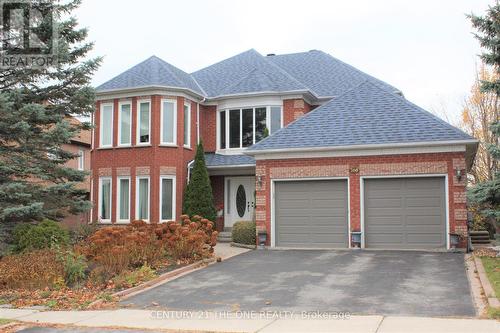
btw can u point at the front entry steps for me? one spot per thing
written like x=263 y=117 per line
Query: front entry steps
x=225 y=236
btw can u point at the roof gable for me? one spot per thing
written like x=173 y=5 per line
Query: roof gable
x=364 y=115
x=152 y=72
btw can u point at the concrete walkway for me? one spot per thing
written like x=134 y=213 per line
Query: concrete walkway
x=254 y=322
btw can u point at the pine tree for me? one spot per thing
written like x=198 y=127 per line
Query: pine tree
x=198 y=197
x=35 y=104
x=486 y=195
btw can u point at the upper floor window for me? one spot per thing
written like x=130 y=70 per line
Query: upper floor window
x=80 y=160
x=169 y=121
x=106 y=126
x=187 y=125
x=143 y=122
x=241 y=128
x=124 y=124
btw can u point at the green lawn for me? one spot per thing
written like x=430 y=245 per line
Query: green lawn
x=492 y=268
x=4 y=321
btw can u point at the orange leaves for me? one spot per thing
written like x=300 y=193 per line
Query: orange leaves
x=31 y=270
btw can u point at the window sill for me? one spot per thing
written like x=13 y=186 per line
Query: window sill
x=188 y=147
x=171 y=145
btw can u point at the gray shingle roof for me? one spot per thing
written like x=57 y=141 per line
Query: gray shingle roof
x=250 y=72
x=215 y=160
x=366 y=114
x=324 y=74
x=152 y=72
x=246 y=72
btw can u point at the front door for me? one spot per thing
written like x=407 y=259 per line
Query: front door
x=240 y=200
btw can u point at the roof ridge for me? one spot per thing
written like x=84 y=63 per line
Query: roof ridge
x=359 y=71
x=221 y=61
x=420 y=109
x=288 y=74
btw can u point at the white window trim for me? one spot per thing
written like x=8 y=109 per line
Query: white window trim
x=137 y=197
x=241 y=148
x=81 y=160
x=174 y=190
x=99 y=208
x=165 y=143
x=101 y=127
x=188 y=145
x=118 y=191
x=120 y=124
x=138 y=129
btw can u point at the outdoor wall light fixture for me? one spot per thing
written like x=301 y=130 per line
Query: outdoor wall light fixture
x=458 y=173
x=259 y=181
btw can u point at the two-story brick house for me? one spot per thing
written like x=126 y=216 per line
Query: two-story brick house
x=346 y=152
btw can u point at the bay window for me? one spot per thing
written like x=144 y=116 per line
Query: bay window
x=167 y=198
x=241 y=128
x=187 y=125
x=142 y=198
x=123 y=199
x=106 y=126
x=104 y=199
x=143 y=122
x=124 y=124
x=168 y=122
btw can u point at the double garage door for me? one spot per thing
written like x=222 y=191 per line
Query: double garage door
x=399 y=213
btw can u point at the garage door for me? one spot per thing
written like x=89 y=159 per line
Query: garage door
x=405 y=213
x=311 y=214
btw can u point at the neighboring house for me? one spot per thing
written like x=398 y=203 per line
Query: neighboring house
x=346 y=152
x=80 y=145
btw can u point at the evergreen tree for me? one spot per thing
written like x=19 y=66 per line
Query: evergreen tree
x=35 y=105
x=486 y=195
x=198 y=197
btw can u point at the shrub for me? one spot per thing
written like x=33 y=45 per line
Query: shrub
x=198 y=197
x=31 y=270
x=117 y=249
x=190 y=239
x=81 y=231
x=74 y=265
x=244 y=232
x=39 y=236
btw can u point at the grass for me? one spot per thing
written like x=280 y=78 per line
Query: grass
x=492 y=268
x=4 y=321
x=494 y=313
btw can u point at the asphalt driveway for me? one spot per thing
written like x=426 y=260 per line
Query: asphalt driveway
x=359 y=282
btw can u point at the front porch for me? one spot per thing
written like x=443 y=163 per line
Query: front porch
x=233 y=184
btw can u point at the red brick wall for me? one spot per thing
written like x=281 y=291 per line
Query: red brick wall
x=208 y=127
x=439 y=163
x=150 y=160
x=294 y=109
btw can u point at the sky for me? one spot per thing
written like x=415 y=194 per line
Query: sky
x=425 y=48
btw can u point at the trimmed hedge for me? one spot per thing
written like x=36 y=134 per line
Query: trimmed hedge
x=244 y=232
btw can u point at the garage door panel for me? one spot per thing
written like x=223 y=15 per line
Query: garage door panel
x=311 y=214
x=386 y=202
x=418 y=222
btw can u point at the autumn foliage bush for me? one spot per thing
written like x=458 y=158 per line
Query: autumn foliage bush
x=38 y=269
x=117 y=249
